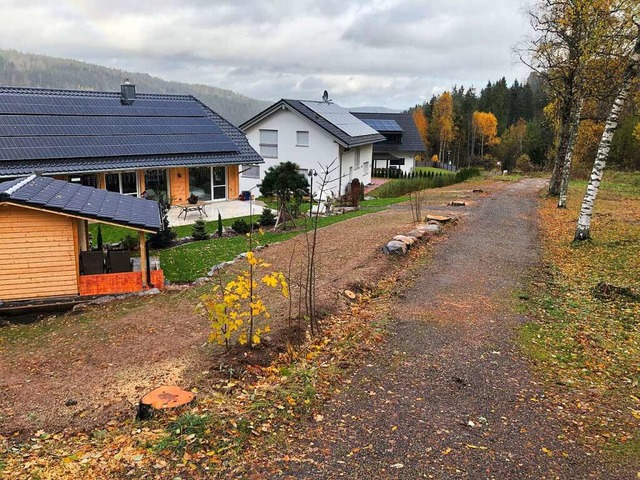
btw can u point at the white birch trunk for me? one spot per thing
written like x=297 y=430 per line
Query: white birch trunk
x=566 y=168
x=586 y=211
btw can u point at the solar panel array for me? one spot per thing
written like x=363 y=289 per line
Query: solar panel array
x=34 y=126
x=80 y=105
x=341 y=118
x=383 y=125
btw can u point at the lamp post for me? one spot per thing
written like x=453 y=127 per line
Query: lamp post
x=251 y=218
x=311 y=173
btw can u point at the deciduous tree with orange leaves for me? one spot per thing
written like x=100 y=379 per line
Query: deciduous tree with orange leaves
x=420 y=119
x=442 y=123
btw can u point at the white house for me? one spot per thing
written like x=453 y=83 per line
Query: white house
x=312 y=134
x=402 y=140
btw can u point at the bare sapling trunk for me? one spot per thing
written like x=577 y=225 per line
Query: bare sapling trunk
x=586 y=211
x=312 y=243
x=566 y=168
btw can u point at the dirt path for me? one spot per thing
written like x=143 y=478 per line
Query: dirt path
x=450 y=396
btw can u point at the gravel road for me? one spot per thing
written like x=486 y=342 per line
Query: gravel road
x=450 y=395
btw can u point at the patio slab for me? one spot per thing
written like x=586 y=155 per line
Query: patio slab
x=227 y=209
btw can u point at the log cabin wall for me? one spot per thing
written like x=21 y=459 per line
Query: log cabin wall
x=179 y=184
x=37 y=254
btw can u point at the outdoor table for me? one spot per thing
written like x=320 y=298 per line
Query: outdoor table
x=192 y=207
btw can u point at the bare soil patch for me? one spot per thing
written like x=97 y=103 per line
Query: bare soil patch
x=78 y=372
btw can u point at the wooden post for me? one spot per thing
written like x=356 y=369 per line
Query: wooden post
x=143 y=258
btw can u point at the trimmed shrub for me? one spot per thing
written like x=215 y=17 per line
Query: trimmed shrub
x=241 y=226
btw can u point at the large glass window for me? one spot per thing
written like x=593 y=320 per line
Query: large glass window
x=200 y=182
x=269 y=143
x=156 y=185
x=88 y=180
x=122 y=182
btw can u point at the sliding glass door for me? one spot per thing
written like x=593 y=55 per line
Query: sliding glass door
x=208 y=183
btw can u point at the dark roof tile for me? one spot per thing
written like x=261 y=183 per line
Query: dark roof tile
x=86 y=202
x=411 y=140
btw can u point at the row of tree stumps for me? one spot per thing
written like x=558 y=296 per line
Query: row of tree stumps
x=400 y=244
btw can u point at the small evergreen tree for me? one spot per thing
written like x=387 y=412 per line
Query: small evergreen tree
x=199 y=231
x=267 y=218
x=99 y=240
x=220 y=229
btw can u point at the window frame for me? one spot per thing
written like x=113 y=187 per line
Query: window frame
x=265 y=146
x=298 y=143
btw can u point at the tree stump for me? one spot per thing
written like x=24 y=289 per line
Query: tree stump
x=437 y=218
x=163 y=398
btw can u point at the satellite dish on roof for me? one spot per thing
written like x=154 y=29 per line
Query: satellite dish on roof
x=325 y=97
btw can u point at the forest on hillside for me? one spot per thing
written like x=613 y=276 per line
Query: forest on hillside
x=503 y=122
x=30 y=70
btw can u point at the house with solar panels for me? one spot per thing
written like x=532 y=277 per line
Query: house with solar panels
x=402 y=141
x=162 y=146
x=311 y=134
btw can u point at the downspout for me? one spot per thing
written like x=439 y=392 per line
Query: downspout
x=340 y=151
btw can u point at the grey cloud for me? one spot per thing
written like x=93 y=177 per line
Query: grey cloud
x=387 y=52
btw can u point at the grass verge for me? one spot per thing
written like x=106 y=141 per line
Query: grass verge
x=586 y=338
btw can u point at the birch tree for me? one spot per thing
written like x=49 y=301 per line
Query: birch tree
x=568 y=35
x=586 y=210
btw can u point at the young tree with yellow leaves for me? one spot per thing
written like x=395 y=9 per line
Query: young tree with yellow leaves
x=485 y=127
x=235 y=308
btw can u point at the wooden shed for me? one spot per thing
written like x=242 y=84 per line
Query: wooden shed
x=44 y=235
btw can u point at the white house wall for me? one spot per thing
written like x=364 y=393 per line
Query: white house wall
x=363 y=173
x=322 y=150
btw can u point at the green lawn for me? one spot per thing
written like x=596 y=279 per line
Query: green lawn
x=187 y=262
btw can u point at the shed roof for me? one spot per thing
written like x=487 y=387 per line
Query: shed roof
x=90 y=203
x=328 y=116
x=68 y=131
x=411 y=141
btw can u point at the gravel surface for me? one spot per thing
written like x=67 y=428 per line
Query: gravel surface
x=449 y=395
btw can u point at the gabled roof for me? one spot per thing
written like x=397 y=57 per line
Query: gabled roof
x=76 y=200
x=68 y=131
x=411 y=140
x=346 y=129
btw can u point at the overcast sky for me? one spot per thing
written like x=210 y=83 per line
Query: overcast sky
x=392 y=53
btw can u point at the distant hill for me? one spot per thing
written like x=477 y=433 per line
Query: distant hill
x=29 y=70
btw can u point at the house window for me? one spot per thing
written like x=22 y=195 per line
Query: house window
x=365 y=167
x=302 y=138
x=269 y=143
x=122 y=182
x=396 y=162
x=251 y=171
x=88 y=180
x=357 y=159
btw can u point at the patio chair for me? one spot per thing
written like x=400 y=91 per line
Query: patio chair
x=118 y=261
x=92 y=262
